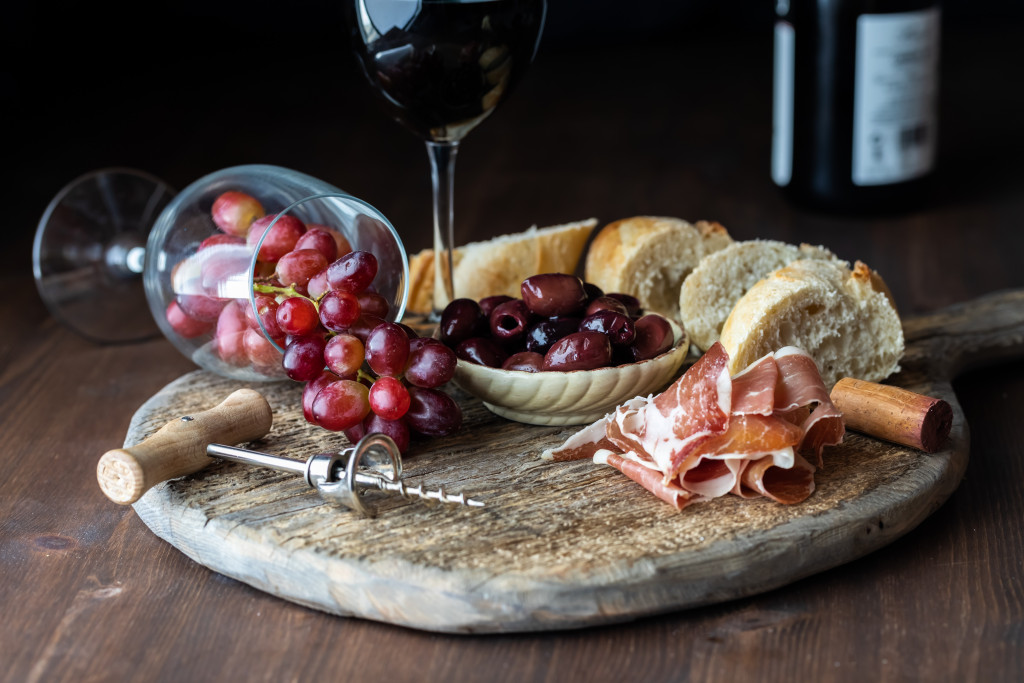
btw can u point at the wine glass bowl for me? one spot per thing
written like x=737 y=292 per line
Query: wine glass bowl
x=214 y=283
x=440 y=67
x=197 y=271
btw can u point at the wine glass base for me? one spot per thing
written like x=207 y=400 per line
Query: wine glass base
x=88 y=254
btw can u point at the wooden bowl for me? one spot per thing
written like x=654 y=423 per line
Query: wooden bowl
x=569 y=398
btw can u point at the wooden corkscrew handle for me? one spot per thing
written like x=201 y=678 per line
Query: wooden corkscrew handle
x=179 y=447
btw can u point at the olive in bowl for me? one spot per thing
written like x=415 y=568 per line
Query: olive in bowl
x=559 y=356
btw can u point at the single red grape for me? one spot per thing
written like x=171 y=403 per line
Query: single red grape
x=433 y=412
x=389 y=398
x=264 y=356
x=219 y=238
x=387 y=349
x=228 y=337
x=281 y=239
x=304 y=358
x=185 y=325
x=321 y=241
x=341 y=242
x=341 y=405
x=199 y=307
x=373 y=304
x=339 y=310
x=353 y=272
x=311 y=389
x=398 y=430
x=430 y=364
x=234 y=212
x=344 y=354
x=297 y=315
x=318 y=285
x=298 y=267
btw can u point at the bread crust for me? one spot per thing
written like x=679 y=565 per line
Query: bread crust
x=650 y=256
x=499 y=265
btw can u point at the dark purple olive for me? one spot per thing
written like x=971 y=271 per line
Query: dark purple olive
x=631 y=302
x=579 y=351
x=541 y=336
x=592 y=290
x=653 y=336
x=489 y=303
x=509 y=321
x=460 y=320
x=617 y=326
x=554 y=294
x=525 y=361
x=482 y=351
x=606 y=303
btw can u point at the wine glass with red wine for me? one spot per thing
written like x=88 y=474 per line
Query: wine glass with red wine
x=440 y=67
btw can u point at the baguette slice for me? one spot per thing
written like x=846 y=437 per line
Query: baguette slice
x=499 y=265
x=650 y=256
x=709 y=293
x=844 y=319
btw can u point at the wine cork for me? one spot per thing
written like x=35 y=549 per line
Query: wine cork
x=893 y=414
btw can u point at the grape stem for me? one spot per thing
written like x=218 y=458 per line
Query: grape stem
x=288 y=291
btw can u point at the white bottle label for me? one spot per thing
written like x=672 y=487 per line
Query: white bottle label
x=782 y=104
x=895 y=96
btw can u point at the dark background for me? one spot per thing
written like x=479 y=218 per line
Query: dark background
x=184 y=88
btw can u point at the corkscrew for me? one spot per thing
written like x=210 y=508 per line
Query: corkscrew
x=183 y=446
x=373 y=464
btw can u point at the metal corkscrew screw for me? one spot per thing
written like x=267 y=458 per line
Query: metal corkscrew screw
x=347 y=484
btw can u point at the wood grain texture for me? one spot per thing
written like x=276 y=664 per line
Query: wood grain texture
x=559 y=545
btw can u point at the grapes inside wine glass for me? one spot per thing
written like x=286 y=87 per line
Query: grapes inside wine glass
x=116 y=240
x=440 y=67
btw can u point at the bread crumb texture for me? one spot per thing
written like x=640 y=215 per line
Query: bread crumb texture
x=711 y=291
x=844 y=319
x=650 y=257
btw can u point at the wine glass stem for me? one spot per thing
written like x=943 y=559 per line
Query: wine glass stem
x=442 y=176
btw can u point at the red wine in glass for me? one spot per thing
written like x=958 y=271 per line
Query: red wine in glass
x=440 y=67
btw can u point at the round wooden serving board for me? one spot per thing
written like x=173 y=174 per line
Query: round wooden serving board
x=558 y=545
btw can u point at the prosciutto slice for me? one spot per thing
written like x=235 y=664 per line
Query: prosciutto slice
x=710 y=434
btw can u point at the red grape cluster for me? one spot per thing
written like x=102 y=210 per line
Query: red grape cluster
x=561 y=323
x=314 y=298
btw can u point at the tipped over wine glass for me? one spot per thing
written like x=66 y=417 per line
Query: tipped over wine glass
x=440 y=68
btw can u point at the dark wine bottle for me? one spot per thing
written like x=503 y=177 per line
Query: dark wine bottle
x=855 y=121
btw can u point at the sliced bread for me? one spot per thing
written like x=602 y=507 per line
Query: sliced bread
x=650 y=256
x=709 y=293
x=844 y=319
x=499 y=265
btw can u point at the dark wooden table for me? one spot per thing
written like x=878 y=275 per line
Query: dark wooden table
x=677 y=126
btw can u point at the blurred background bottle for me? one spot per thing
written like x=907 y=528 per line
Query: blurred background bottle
x=855 y=122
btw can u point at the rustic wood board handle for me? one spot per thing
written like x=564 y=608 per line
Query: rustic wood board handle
x=558 y=545
x=179 y=447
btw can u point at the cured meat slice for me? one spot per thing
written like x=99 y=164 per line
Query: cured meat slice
x=749 y=437
x=800 y=386
x=672 y=424
x=784 y=485
x=650 y=479
x=709 y=434
x=753 y=389
x=586 y=442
